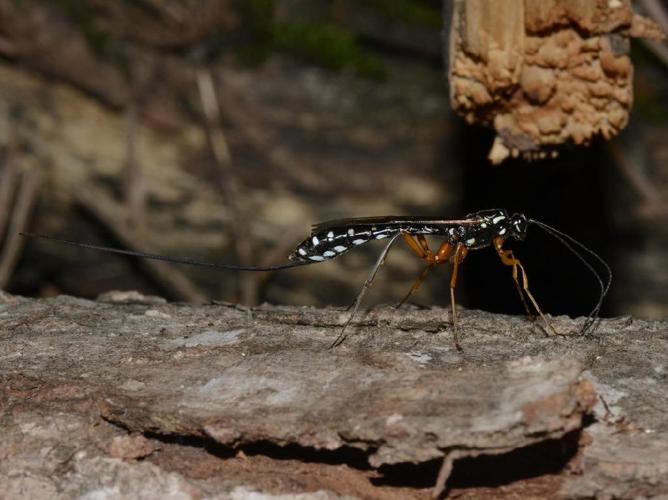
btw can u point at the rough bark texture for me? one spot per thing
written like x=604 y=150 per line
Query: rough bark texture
x=544 y=73
x=133 y=396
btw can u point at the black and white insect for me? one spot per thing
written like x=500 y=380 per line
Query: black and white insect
x=333 y=238
x=485 y=228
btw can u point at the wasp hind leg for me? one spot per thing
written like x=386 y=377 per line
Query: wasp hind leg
x=508 y=259
x=421 y=248
x=358 y=300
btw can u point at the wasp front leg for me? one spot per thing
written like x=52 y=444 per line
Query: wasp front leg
x=509 y=259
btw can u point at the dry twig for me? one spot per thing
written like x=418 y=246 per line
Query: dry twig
x=8 y=181
x=102 y=209
x=243 y=113
x=651 y=202
x=655 y=10
x=229 y=183
x=142 y=84
x=658 y=13
x=25 y=201
x=135 y=183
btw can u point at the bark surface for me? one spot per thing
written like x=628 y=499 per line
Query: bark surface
x=130 y=394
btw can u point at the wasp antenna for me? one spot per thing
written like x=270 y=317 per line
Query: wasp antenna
x=174 y=260
x=567 y=240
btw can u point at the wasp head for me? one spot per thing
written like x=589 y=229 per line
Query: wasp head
x=517 y=226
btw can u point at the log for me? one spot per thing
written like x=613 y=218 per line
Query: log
x=132 y=394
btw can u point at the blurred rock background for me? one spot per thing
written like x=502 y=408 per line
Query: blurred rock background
x=222 y=130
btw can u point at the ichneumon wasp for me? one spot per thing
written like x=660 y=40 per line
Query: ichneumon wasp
x=478 y=230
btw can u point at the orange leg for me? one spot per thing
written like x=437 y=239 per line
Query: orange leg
x=423 y=243
x=415 y=286
x=515 y=263
x=509 y=259
x=458 y=258
x=421 y=248
x=432 y=259
x=444 y=252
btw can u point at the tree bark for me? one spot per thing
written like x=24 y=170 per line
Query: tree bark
x=133 y=394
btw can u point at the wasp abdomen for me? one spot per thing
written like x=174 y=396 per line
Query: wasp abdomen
x=328 y=244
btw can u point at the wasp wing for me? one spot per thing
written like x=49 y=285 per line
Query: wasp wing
x=389 y=221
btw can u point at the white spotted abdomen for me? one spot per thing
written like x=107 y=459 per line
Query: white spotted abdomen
x=331 y=243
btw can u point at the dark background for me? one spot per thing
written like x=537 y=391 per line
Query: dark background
x=322 y=109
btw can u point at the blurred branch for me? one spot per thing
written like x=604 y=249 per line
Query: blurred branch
x=239 y=226
x=6 y=47
x=8 y=181
x=176 y=13
x=262 y=142
x=165 y=24
x=134 y=182
x=142 y=82
x=102 y=210
x=25 y=201
x=243 y=114
x=284 y=247
x=652 y=204
x=659 y=49
x=657 y=11
x=211 y=107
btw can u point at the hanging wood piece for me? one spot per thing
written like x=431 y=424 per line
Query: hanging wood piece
x=544 y=72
